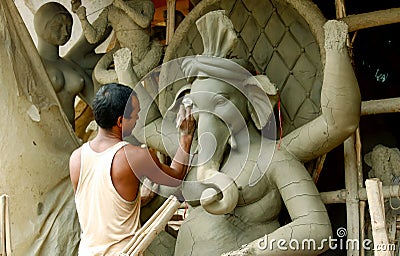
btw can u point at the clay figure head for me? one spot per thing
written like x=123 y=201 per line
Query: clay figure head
x=116 y=105
x=53 y=23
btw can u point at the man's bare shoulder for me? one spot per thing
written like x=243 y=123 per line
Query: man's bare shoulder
x=141 y=158
x=75 y=166
x=76 y=155
x=137 y=152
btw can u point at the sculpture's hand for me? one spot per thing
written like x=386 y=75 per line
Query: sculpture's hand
x=119 y=4
x=81 y=12
x=75 y=5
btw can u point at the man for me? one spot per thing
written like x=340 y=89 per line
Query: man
x=106 y=172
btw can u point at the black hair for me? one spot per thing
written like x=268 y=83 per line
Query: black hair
x=110 y=102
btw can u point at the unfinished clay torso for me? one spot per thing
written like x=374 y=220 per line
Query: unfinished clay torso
x=255 y=215
x=131 y=21
x=129 y=34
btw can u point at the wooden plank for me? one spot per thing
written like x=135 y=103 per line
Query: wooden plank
x=372 y=19
x=352 y=202
x=372 y=107
x=377 y=212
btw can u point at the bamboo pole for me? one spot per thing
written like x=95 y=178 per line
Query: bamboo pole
x=318 y=168
x=171 y=7
x=145 y=235
x=351 y=171
x=5 y=235
x=2 y=227
x=158 y=226
x=372 y=19
x=352 y=202
x=377 y=212
x=145 y=226
x=339 y=196
x=360 y=177
x=372 y=107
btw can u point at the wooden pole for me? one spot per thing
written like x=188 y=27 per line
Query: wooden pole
x=372 y=19
x=171 y=7
x=377 y=212
x=145 y=235
x=339 y=196
x=128 y=246
x=2 y=226
x=351 y=171
x=360 y=177
x=352 y=203
x=372 y=107
x=5 y=235
x=158 y=226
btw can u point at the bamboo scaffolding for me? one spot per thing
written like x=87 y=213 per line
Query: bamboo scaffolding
x=372 y=19
x=372 y=107
x=377 y=212
x=339 y=196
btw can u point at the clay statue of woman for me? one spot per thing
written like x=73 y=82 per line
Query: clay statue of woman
x=53 y=25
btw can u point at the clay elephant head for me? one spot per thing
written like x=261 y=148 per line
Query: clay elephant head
x=229 y=110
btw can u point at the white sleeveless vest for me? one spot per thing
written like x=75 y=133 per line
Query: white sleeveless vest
x=107 y=220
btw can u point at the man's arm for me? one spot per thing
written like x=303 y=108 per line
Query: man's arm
x=75 y=167
x=145 y=162
x=143 y=19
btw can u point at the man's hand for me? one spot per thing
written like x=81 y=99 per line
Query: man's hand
x=185 y=120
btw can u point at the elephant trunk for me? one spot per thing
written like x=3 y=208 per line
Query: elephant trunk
x=222 y=195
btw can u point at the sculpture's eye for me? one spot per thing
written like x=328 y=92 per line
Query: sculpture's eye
x=220 y=101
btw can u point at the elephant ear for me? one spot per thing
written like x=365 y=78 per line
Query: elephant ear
x=259 y=105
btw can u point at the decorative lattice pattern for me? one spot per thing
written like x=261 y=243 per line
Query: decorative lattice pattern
x=278 y=41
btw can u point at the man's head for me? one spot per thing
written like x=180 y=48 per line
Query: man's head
x=115 y=104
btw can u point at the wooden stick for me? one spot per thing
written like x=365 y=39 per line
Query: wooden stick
x=159 y=225
x=318 y=168
x=152 y=226
x=360 y=177
x=339 y=196
x=362 y=225
x=377 y=212
x=5 y=236
x=171 y=8
x=2 y=226
x=129 y=245
x=372 y=107
x=372 y=19
x=352 y=202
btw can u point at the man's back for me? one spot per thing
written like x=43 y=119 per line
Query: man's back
x=108 y=220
